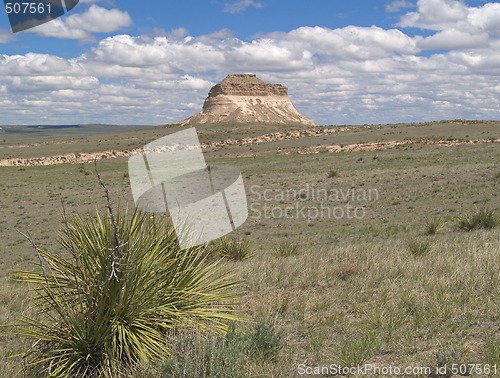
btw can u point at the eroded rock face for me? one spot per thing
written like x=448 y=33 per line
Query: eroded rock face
x=244 y=98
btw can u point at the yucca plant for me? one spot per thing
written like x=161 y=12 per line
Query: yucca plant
x=106 y=301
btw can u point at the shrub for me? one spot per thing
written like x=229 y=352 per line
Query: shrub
x=236 y=249
x=265 y=341
x=286 y=249
x=215 y=356
x=105 y=302
x=446 y=358
x=481 y=219
x=418 y=247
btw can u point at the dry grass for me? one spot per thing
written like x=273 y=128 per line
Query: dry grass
x=354 y=292
x=399 y=310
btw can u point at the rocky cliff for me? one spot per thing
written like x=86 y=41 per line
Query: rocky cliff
x=244 y=98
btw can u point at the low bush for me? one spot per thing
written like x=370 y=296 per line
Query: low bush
x=195 y=355
x=265 y=341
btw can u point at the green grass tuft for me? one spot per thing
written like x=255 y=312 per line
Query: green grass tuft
x=433 y=226
x=492 y=351
x=333 y=173
x=231 y=248
x=356 y=351
x=286 y=249
x=482 y=219
x=418 y=247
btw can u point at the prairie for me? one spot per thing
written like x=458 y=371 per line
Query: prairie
x=358 y=256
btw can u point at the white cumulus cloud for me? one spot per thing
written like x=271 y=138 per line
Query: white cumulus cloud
x=436 y=14
x=81 y=25
x=486 y=18
x=450 y=39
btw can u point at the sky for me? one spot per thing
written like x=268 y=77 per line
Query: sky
x=344 y=62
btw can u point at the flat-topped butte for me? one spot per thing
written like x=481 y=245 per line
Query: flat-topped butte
x=244 y=98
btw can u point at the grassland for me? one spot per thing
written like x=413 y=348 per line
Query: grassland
x=353 y=291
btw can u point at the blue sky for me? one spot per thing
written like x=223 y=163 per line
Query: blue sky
x=345 y=62
x=246 y=21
